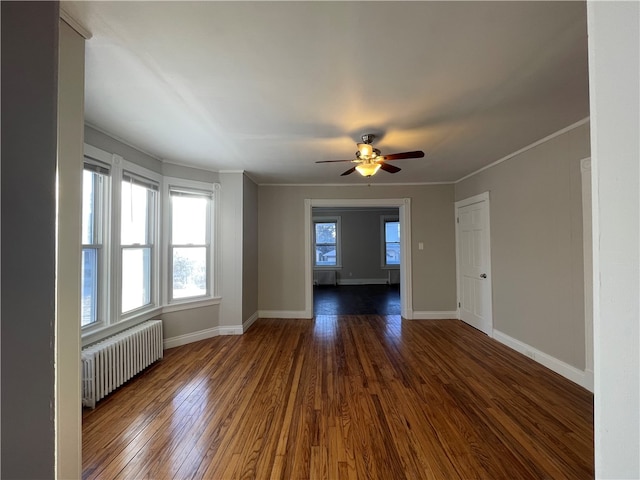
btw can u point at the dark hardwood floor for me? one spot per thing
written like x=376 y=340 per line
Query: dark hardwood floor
x=343 y=397
x=356 y=300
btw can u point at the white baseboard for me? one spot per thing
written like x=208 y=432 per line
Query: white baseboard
x=417 y=315
x=249 y=321
x=191 y=337
x=582 y=378
x=285 y=314
x=200 y=335
x=362 y=281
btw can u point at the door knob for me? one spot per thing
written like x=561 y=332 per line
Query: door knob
x=483 y=275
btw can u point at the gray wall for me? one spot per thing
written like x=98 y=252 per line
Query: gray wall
x=249 y=248
x=108 y=144
x=361 y=242
x=281 y=230
x=29 y=147
x=536 y=244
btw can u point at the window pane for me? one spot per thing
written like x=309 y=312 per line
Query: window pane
x=392 y=231
x=89 y=282
x=189 y=220
x=136 y=214
x=189 y=272
x=393 y=254
x=90 y=208
x=326 y=232
x=136 y=278
x=326 y=255
x=392 y=243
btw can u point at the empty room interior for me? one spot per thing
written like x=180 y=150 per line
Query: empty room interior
x=320 y=240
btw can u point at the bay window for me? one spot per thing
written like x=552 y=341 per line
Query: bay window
x=130 y=272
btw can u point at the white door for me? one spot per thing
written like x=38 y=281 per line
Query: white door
x=474 y=262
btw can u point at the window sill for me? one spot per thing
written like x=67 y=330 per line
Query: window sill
x=390 y=267
x=189 y=304
x=96 y=334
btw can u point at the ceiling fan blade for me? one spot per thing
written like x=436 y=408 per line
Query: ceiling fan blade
x=401 y=156
x=333 y=161
x=389 y=168
x=348 y=172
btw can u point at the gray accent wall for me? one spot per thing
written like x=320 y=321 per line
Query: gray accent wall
x=29 y=40
x=281 y=229
x=536 y=244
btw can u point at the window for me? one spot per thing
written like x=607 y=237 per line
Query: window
x=189 y=239
x=391 y=233
x=138 y=204
x=326 y=241
x=93 y=275
x=123 y=280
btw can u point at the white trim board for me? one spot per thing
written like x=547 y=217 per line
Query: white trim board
x=528 y=147
x=444 y=315
x=301 y=314
x=363 y=281
x=200 y=335
x=249 y=321
x=582 y=378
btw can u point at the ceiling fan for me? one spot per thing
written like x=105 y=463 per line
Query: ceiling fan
x=369 y=160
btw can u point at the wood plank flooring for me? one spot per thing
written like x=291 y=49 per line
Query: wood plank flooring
x=343 y=397
x=356 y=300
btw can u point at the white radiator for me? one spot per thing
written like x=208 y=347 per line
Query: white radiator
x=325 y=277
x=109 y=363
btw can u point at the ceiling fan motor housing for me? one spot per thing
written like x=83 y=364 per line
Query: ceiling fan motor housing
x=368 y=138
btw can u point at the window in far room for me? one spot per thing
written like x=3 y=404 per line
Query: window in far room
x=326 y=242
x=391 y=248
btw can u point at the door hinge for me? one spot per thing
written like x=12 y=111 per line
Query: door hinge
x=457 y=219
x=459 y=305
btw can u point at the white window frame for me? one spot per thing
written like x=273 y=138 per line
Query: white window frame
x=212 y=191
x=143 y=175
x=333 y=219
x=113 y=321
x=383 y=243
x=103 y=246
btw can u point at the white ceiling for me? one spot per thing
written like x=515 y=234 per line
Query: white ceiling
x=272 y=87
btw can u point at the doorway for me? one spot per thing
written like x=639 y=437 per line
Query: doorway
x=473 y=261
x=349 y=300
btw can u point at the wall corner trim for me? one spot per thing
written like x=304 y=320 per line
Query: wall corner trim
x=73 y=23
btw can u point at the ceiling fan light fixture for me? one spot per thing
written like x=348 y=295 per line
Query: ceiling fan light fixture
x=368 y=169
x=365 y=149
